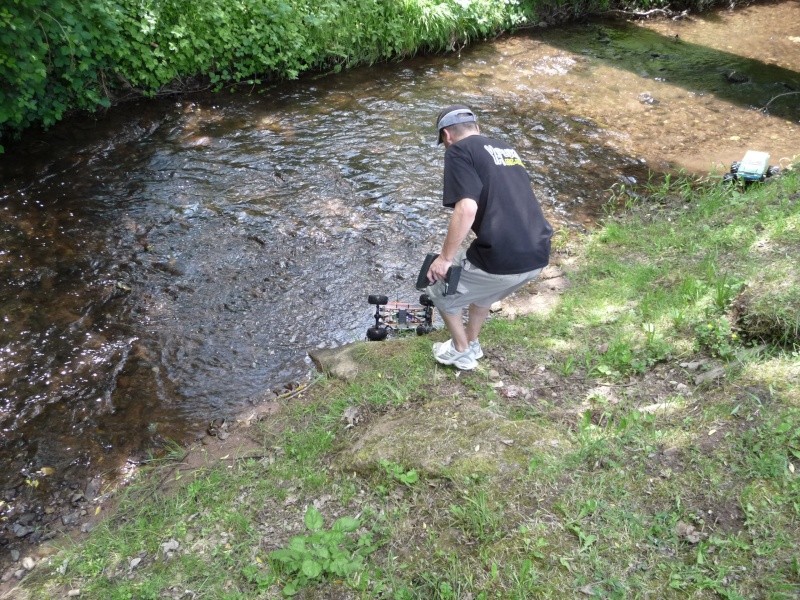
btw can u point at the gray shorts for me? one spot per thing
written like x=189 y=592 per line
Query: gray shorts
x=477 y=287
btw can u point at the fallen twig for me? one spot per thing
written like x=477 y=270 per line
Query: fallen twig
x=251 y=456
x=766 y=106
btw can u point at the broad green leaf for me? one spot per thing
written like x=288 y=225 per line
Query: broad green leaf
x=313 y=519
x=290 y=589
x=282 y=555
x=311 y=568
x=346 y=524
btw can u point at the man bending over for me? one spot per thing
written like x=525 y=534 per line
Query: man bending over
x=489 y=190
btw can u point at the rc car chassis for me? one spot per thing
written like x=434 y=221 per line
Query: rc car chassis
x=399 y=318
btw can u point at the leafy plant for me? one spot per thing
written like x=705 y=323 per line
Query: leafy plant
x=725 y=290
x=54 y=56
x=321 y=553
x=716 y=337
x=622 y=357
x=399 y=473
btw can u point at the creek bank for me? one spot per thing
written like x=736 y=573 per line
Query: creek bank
x=72 y=515
x=72 y=512
x=540 y=297
x=75 y=512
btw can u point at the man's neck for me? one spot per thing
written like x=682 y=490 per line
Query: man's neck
x=466 y=135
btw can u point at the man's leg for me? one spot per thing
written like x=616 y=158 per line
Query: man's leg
x=458 y=333
x=461 y=335
x=477 y=317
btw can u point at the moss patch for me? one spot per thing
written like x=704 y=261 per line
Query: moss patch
x=448 y=438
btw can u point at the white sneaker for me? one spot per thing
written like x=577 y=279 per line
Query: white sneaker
x=477 y=351
x=446 y=354
x=474 y=345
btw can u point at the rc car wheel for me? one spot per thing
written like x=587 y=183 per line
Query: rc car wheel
x=424 y=329
x=376 y=334
x=773 y=171
x=728 y=178
x=425 y=300
x=735 y=167
x=378 y=299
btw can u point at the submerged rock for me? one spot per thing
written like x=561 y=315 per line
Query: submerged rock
x=736 y=77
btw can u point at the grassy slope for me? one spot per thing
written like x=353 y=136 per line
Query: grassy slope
x=586 y=457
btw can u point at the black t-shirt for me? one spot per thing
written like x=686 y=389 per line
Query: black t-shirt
x=512 y=234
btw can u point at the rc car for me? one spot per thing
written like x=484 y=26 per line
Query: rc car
x=402 y=317
x=753 y=167
x=398 y=318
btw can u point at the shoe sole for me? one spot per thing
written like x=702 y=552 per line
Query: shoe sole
x=454 y=363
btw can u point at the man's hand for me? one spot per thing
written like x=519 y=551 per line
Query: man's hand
x=460 y=222
x=438 y=269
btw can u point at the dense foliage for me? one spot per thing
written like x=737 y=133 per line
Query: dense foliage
x=54 y=57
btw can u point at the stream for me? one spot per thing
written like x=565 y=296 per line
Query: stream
x=173 y=261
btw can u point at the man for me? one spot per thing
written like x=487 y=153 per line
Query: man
x=489 y=190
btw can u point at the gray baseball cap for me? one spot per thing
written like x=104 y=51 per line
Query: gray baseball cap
x=457 y=113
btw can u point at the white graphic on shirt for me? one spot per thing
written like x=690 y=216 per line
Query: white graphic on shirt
x=507 y=157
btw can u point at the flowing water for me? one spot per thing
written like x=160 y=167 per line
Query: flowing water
x=173 y=260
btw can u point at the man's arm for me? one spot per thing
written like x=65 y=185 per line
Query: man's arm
x=460 y=223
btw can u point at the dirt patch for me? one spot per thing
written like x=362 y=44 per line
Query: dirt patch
x=539 y=298
x=766 y=310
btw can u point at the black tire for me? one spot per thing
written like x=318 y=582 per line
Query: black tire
x=728 y=178
x=376 y=334
x=735 y=167
x=773 y=171
x=378 y=299
x=425 y=300
x=424 y=329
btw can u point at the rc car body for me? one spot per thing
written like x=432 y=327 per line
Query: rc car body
x=753 y=167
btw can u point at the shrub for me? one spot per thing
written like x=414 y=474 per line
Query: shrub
x=716 y=337
x=59 y=55
x=54 y=56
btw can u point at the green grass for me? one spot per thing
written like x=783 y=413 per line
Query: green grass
x=591 y=464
